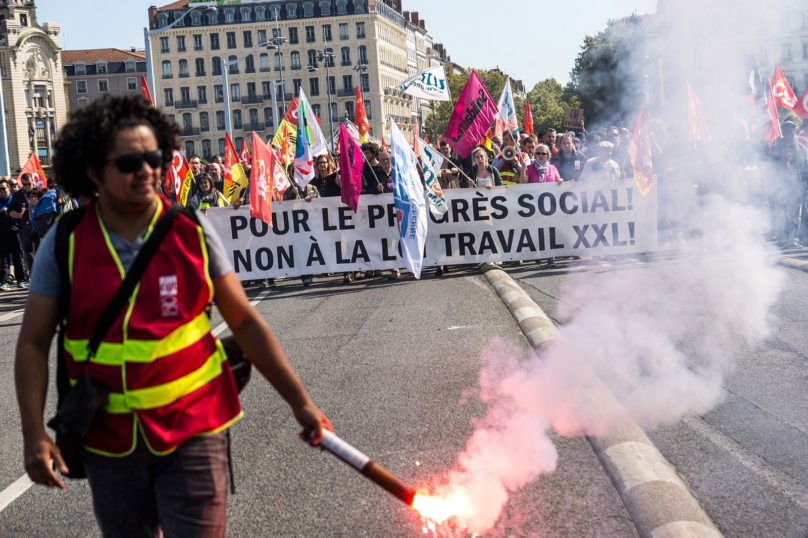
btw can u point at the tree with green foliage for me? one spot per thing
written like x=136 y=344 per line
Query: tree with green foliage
x=548 y=103
x=604 y=78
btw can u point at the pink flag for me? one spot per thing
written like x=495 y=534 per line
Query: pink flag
x=473 y=115
x=350 y=163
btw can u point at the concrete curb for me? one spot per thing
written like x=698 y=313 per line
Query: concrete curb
x=799 y=265
x=659 y=503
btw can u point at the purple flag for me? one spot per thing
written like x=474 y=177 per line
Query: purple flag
x=472 y=117
x=350 y=163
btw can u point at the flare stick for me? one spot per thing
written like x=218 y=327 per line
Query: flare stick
x=375 y=472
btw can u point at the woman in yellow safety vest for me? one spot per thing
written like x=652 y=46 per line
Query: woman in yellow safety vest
x=206 y=196
x=155 y=451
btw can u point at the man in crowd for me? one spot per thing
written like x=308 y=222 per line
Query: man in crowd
x=19 y=205
x=570 y=162
x=215 y=172
x=370 y=168
x=448 y=174
x=602 y=166
x=385 y=183
x=9 y=241
x=528 y=145
x=620 y=152
x=791 y=164
x=549 y=140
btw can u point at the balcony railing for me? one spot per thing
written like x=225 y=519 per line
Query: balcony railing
x=288 y=97
x=184 y=104
x=346 y=63
x=168 y=75
x=363 y=61
x=249 y=70
x=189 y=131
x=252 y=100
x=253 y=126
x=345 y=92
x=266 y=69
x=185 y=75
x=200 y=73
x=235 y=98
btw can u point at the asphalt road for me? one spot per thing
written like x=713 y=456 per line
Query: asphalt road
x=746 y=461
x=389 y=363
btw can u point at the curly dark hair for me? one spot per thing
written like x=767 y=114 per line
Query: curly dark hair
x=89 y=135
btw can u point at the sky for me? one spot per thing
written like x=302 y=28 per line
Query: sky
x=528 y=39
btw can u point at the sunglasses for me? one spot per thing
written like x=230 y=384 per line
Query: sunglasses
x=132 y=162
x=540 y=154
x=24 y=184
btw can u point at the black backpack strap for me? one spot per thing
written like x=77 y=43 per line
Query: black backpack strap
x=64 y=228
x=124 y=292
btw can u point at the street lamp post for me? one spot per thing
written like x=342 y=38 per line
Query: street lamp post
x=147 y=33
x=327 y=55
x=273 y=43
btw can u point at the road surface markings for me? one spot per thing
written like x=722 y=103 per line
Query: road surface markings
x=223 y=326
x=8 y=495
x=12 y=315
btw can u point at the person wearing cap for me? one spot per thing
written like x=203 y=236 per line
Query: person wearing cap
x=791 y=164
x=602 y=166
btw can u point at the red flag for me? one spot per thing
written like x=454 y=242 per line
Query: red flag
x=361 y=118
x=639 y=150
x=262 y=166
x=801 y=108
x=426 y=138
x=350 y=164
x=144 y=87
x=180 y=176
x=384 y=145
x=528 y=127
x=783 y=94
x=244 y=153
x=698 y=126
x=35 y=169
x=771 y=129
x=280 y=181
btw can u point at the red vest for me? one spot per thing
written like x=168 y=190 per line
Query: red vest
x=168 y=375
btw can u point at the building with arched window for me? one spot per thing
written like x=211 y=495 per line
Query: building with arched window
x=368 y=38
x=34 y=86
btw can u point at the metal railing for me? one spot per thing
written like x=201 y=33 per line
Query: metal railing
x=254 y=126
x=185 y=104
x=189 y=131
x=252 y=100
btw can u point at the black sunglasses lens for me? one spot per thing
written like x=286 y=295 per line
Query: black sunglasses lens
x=129 y=163
x=133 y=162
x=154 y=158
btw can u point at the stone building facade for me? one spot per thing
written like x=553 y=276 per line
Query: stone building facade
x=33 y=83
x=95 y=73
x=367 y=37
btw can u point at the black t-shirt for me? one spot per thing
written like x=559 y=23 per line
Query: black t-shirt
x=7 y=224
x=19 y=200
x=386 y=181
x=369 y=175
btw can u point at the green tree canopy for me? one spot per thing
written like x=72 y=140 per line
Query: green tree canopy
x=548 y=103
x=604 y=79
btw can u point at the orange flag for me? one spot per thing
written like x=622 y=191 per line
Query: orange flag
x=384 y=145
x=35 y=169
x=639 y=151
x=234 y=178
x=144 y=87
x=287 y=154
x=426 y=138
x=528 y=128
x=361 y=118
x=263 y=160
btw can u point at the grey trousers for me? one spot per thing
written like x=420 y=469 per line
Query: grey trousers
x=184 y=494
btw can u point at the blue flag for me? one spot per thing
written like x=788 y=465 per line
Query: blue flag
x=410 y=202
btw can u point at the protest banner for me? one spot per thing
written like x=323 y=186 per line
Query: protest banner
x=574 y=118
x=520 y=222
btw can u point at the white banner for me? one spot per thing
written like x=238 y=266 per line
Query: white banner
x=517 y=222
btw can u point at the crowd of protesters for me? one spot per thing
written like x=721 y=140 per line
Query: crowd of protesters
x=504 y=159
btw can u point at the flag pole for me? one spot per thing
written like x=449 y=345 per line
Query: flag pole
x=459 y=168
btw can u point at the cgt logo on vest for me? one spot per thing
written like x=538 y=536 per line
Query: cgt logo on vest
x=169 y=290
